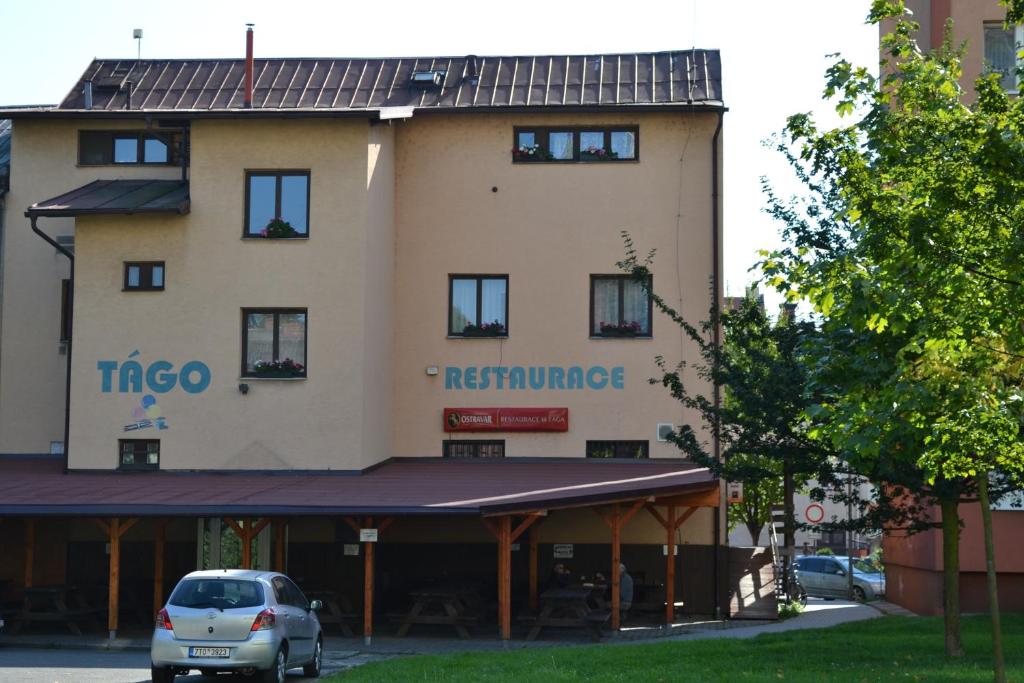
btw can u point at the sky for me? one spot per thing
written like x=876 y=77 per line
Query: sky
x=774 y=57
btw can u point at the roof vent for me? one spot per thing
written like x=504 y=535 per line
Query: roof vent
x=428 y=79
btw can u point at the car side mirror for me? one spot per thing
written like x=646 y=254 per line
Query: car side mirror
x=316 y=606
x=842 y=572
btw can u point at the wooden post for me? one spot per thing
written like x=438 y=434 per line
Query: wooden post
x=368 y=586
x=616 y=588
x=30 y=550
x=670 y=568
x=158 y=565
x=246 y=539
x=279 y=546
x=505 y=576
x=114 y=586
x=533 y=569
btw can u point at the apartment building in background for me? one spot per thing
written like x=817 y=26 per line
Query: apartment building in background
x=914 y=563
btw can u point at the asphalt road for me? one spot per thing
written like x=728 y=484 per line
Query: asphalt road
x=86 y=666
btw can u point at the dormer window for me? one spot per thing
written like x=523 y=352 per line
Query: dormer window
x=117 y=148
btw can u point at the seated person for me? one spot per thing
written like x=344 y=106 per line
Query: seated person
x=560 y=577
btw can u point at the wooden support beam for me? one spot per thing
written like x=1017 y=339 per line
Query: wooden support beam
x=114 y=578
x=616 y=574
x=246 y=538
x=607 y=519
x=104 y=527
x=368 y=586
x=279 y=546
x=158 y=564
x=505 y=577
x=383 y=524
x=533 y=569
x=523 y=526
x=697 y=499
x=30 y=550
x=670 y=567
x=259 y=526
x=352 y=523
x=234 y=526
x=683 y=517
x=657 y=515
x=632 y=511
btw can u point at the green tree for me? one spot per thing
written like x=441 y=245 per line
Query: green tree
x=908 y=247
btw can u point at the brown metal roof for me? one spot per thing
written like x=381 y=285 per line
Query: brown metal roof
x=118 y=196
x=683 y=77
x=419 y=486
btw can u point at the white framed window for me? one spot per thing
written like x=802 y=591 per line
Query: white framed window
x=1001 y=46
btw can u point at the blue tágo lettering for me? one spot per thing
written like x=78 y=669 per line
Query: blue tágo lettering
x=575 y=377
x=107 y=367
x=556 y=378
x=618 y=377
x=517 y=378
x=190 y=368
x=452 y=378
x=536 y=378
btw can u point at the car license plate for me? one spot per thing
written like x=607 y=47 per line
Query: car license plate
x=209 y=652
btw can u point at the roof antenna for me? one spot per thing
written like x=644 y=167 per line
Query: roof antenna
x=137 y=35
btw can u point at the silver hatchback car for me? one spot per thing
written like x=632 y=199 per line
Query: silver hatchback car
x=252 y=622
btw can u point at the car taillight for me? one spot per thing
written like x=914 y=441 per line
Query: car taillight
x=264 y=620
x=163 y=620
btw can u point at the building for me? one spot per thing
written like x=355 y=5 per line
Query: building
x=914 y=564
x=320 y=302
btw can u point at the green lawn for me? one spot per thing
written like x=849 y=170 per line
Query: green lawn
x=882 y=649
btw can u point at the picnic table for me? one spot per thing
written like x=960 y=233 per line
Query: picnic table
x=337 y=611
x=445 y=605
x=56 y=603
x=568 y=608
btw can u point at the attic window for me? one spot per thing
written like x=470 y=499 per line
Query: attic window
x=428 y=79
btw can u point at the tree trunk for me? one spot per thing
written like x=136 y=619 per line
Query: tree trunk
x=754 y=529
x=789 y=526
x=951 y=577
x=990 y=569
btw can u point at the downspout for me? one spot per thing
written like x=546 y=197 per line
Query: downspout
x=71 y=298
x=716 y=308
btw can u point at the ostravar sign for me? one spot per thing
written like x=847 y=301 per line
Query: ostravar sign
x=506 y=419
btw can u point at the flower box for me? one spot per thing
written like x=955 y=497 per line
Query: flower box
x=597 y=154
x=630 y=329
x=494 y=329
x=534 y=153
x=277 y=369
x=278 y=228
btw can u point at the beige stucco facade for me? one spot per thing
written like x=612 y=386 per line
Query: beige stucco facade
x=395 y=208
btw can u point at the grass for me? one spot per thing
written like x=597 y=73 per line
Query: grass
x=888 y=648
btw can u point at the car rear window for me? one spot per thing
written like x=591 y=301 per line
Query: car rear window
x=219 y=593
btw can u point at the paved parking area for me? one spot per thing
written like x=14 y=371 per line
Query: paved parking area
x=85 y=666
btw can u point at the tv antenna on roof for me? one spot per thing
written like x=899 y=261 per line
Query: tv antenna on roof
x=137 y=35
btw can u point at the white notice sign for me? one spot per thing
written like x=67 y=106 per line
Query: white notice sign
x=563 y=551
x=351 y=548
x=734 y=492
x=368 y=535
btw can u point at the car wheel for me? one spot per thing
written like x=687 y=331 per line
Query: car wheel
x=161 y=674
x=858 y=594
x=275 y=674
x=312 y=670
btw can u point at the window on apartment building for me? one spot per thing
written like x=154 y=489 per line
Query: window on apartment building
x=105 y=147
x=139 y=454
x=274 y=342
x=277 y=204
x=144 y=276
x=65 y=310
x=619 y=307
x=1001 y=52
x=618 y=449
x=576 y=144
x=474 y=449
x=478 y=305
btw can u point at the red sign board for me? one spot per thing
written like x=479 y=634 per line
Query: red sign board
x=506 y=419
